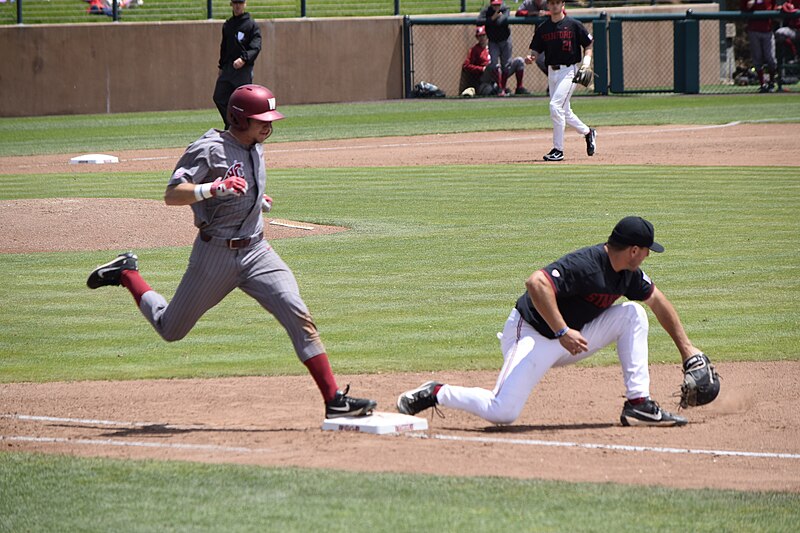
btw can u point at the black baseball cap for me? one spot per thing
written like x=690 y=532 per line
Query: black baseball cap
x=635 y=231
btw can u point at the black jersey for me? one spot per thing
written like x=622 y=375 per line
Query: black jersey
x=241 y=37
x=585 y=286
x=561 y=41
x=496 y=30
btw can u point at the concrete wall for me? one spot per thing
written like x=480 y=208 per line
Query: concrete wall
x=113 y=68
x=126 y=67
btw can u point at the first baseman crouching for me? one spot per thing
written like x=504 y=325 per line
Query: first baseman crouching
x=567 y=314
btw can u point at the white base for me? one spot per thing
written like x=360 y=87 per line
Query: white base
x=377 y=423
x=97 y=159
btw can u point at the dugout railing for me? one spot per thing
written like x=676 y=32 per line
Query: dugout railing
x=689 y=53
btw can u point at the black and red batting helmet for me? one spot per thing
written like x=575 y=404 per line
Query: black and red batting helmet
x=251 y=101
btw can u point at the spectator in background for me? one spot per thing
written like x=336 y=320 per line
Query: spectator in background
x=762 y=42
x=476 y=75
x=535 y=8
x=495 y=19
x=106 y=7
x=787 y=34
x=240 y=46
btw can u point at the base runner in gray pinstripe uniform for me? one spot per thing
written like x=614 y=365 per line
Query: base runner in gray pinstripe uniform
x=222 y=177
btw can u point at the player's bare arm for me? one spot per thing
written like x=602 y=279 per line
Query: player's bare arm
x=181 y=194
x=543 y=297
x=668 y=318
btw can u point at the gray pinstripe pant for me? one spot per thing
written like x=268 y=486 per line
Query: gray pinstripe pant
x=213 y=272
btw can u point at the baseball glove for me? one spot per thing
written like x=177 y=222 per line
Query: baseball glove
x=700 y=381
x=584 y=76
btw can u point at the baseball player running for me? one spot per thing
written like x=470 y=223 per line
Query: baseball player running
x=561 y=39
x=567 y=314
x=222 y=176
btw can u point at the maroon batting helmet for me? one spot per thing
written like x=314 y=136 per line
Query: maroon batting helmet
x=251 y=101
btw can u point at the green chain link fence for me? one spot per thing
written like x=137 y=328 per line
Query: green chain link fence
x=693 y=53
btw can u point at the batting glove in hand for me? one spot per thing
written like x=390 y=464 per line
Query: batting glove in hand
x=700 y=381
x=266 y=204
x=229 y=186
x=584 y=76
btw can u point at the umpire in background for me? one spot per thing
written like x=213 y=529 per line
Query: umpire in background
x=241 y=44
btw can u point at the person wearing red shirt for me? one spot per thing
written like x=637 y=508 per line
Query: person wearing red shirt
x=788 y=34
x=478 y=72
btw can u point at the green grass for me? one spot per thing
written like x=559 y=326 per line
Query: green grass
x=73 y=11
x=46 y=493
x=104 y=133
x=434 y=260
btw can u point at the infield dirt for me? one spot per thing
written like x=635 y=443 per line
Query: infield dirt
x=749 y=439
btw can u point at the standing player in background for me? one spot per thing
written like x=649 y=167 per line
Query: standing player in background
x=535 y=8
x=762 y=42
x=561 y=38
x=567 y=314
x=495 y=18
x=222 y=177
x=238 y=50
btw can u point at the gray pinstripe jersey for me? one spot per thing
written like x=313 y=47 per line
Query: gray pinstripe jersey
x=218 y=154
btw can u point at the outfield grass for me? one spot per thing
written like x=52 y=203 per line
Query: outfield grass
x=109 y=495
x=435 y=258
x=75 y=11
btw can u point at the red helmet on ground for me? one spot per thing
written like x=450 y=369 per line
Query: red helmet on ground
x=251 y=101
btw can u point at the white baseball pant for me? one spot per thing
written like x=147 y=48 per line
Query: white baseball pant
x=561 y=89
x=528 y=355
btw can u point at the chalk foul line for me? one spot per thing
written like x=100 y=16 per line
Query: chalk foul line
x=617 y=447
x=436 y=436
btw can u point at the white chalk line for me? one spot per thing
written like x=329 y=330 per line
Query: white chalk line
x=135 y=444
x=481 y=440
x=616 y=447
x=483 y=141
x=537 y=136
x=37 y=418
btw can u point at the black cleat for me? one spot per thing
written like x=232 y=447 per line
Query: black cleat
x=591 y=142
x=110 y=273
x=417 y=400
x=344 y=405
x=649 y=414
x=554 y=155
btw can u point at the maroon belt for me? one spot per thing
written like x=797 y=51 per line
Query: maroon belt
x=233 y=244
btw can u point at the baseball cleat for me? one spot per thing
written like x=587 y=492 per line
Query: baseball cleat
x=591 y=143
x=554 y=155
x=344 y=405
x=649 y=413
x=110 y=273
x=417 y=400
x=522 y=90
